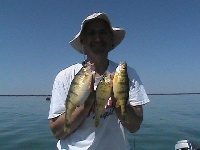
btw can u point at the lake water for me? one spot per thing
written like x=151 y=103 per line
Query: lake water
x=167 y=119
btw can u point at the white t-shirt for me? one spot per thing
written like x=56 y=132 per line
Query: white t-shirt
x=110 y=133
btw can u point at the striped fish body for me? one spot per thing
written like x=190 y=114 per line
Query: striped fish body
x=103 y=93
x=121 y=87
x=79 y=91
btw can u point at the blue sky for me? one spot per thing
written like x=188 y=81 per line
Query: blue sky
x=162 y=41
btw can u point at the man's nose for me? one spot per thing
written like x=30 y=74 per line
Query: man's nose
x=97 y=36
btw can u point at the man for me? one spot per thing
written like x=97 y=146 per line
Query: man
x=96 y=38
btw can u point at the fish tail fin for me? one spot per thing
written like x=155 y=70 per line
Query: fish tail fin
x=67 y=126
x=66 y=129
x=67 y=123
x=117 y=104
x=123 y=117
x=123 y=110
x=96 y=123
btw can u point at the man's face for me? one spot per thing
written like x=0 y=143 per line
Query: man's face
x=97 y=37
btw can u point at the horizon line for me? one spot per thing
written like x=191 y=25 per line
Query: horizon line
x=182 y=93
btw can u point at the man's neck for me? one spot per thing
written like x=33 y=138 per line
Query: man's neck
x=100 y=64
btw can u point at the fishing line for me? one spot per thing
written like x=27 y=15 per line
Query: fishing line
x=134 y=144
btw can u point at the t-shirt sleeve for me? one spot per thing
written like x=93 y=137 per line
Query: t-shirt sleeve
x=137 y=93
x=59 y=94
x=60 y=90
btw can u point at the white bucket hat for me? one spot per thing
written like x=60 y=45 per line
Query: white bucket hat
x=118 y=33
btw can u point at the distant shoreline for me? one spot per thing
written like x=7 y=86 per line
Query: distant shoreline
x=24 y=95
x=147 y=94
x=173 y=94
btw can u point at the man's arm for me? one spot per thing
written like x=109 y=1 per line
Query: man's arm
x=133 y=117
x=80 y=113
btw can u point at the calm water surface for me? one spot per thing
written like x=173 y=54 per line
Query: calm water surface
x=167 y=119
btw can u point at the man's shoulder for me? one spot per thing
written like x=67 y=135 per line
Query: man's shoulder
x=76 y=66
x=73 y=69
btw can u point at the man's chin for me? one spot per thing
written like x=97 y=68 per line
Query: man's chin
x=99 y=51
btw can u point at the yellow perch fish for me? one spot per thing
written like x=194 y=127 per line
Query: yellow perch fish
x=103 y=93
x=79 y=90
x=121 y=87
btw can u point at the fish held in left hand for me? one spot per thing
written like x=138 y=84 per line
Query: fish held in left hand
x=121 y=87
x=79 y=90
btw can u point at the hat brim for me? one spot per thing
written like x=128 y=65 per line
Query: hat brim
x=118 y=36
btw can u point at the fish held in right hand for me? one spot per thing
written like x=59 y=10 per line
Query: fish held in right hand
x=79 y=91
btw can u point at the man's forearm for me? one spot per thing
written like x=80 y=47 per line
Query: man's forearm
x=133 y=117
x=80 y=113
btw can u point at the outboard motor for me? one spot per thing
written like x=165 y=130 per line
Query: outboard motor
x=186 y=145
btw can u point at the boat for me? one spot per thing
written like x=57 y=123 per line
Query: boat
x=186 y=145
x=48 y=98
